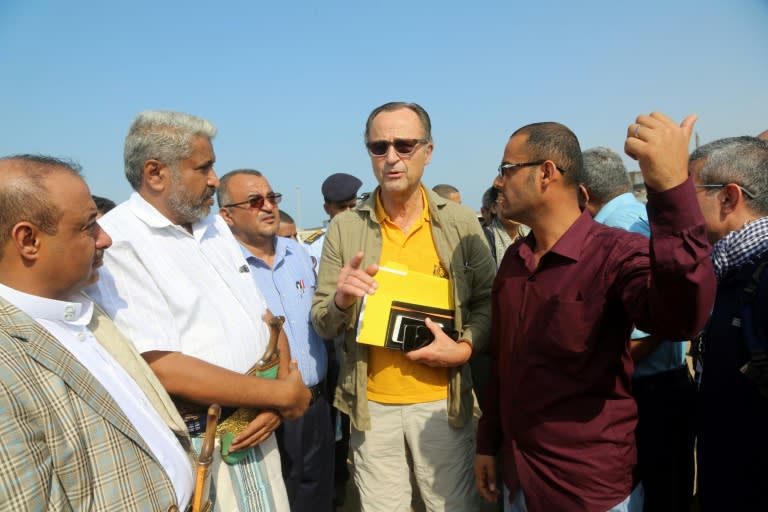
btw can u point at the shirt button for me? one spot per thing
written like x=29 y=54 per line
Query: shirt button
x=69 y=312
x=81 y=336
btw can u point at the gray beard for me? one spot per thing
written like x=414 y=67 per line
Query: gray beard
x=183 y=207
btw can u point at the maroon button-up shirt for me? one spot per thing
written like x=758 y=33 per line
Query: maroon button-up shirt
x=559 y=404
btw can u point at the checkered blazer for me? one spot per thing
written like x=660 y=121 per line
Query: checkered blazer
x=64 y=443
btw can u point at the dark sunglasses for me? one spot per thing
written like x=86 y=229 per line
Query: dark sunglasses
x=257 y=201
x=403 y=147
x=503 y=168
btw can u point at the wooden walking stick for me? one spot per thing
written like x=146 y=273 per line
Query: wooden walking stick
x=200 y=501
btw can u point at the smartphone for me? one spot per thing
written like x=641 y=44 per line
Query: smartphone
x=411 y=333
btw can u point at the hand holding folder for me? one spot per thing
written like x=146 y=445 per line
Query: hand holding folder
x=394 y=317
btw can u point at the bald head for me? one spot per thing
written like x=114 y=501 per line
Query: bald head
x=24 y=194
x=52 y=245
x=763 y=135
x=447 y=191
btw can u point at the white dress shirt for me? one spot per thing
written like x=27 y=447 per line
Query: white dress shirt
x=169 y=290
x=68 y=323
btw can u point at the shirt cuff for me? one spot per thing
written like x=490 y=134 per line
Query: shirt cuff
x=675 y=209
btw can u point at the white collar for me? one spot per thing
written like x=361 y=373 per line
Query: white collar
x=77 y=311
x=152 y=217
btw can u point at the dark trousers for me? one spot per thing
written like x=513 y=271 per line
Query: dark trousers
x=341 y=471
x=306 y=450
x=665 y=437
x=341 y=448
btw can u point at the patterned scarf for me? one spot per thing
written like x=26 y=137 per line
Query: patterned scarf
x=739 y=247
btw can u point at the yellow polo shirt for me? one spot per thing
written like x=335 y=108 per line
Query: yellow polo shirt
x=392 y=377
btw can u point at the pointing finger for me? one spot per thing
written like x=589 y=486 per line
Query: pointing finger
x=356 y=260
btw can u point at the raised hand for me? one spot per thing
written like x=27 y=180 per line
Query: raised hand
x=354 y=282
x=661 y=148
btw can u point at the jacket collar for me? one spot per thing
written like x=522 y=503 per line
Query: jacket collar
x=41 y=346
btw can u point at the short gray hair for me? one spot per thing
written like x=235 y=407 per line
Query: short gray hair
x=708 y=149
x=163 y=135
x=222 y=193
x=740 y=160
x=604 y=174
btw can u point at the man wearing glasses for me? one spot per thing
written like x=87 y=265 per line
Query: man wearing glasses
x=283 y=271
x=177 y=284
x=559 y=407
x=731 y=176
x=421 y=401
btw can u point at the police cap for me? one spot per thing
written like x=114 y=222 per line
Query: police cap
x=340 y=187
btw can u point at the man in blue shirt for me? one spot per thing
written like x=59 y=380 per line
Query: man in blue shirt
x=283 y=271
x=661 y=384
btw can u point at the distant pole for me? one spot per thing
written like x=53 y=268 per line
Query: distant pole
x=697 y=138
x=298 y=208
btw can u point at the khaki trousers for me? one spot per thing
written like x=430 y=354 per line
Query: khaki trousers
x=442 y=456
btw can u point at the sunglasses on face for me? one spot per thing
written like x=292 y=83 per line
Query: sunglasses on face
x=504 y=167
x=257 y=201
x=403 y=147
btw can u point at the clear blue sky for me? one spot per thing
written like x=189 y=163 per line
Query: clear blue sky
x=289 y=84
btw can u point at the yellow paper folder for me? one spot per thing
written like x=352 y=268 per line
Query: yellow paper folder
x=401 y=302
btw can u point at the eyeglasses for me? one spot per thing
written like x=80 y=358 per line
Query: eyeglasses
x=744 y=191
x=257 y=201
x=509 y=167
x=403 y=147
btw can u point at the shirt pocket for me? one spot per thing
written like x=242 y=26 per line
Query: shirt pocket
x=565 y=325
x=567 y=330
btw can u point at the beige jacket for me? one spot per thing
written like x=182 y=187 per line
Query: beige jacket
x=463 y=250
x=68 y=444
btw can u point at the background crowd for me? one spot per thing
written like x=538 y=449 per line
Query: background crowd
x=563 y=384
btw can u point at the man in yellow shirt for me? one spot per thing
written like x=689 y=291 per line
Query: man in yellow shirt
x=421 y=401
